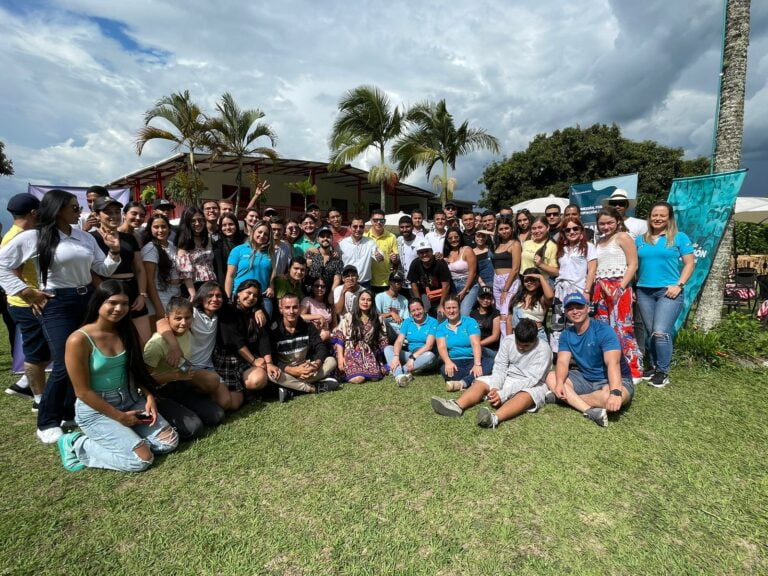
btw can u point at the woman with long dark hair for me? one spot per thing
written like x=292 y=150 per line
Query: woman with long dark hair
x=121 y=428
x=462 y=263
x=539 y=251
x=532 y=302
x=133 y=219
x=131 y=269
x=523 y=221
x=230 y=236
x=160 y=263
x=195 y=250
x=359 y=341
x=66 y=257
x=505 y=257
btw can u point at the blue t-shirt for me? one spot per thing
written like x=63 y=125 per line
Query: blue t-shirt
x=459 y=346
x=384 y=302
x=416 y=335
x=659 y=265
x=587 y=350
x=260 y=270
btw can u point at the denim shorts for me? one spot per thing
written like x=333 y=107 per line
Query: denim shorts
x=33 y=342
x=583 y=386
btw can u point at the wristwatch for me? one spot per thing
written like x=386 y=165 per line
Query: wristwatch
x=616 y=392
x=681 y=284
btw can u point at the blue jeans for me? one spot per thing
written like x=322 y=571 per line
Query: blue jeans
x=62 y=315
x=425 y=362
x=464 y=370
x=469 y=299
x=659 y=314
x=108 y=444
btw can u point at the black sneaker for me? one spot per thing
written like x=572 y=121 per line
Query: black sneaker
x=284 y=394
x=648 y=374
x=35 y=407
x=327 y=385
x=659 y=380
x=598 y=415
x=16 y=390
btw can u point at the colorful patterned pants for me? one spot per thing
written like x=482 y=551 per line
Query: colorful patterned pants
x=615 y=308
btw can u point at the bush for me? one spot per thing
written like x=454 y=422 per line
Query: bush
x=737 y=336
x=694 y=346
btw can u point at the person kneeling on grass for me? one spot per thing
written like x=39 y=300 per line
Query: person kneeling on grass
x=115 y=407
x=603 y=381
x=187 y=397
x=516 y=384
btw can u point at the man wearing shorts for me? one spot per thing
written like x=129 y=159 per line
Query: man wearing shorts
x=603 y=382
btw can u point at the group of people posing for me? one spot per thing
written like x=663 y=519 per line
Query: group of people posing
x=156 y=331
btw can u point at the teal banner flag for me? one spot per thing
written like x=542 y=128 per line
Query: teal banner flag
x=702 y=207
x=589 y=197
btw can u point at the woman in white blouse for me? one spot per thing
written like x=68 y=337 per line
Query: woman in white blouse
x=66 y=256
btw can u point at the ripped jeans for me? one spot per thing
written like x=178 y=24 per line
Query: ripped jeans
x=108 y=444
x=659 y=315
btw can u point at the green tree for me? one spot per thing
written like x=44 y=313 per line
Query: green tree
x=573 y=155
x=305 y=188
x=235 y=131
x=432 y=137
x=730 y=133
x=365 y=119
x=6 y=164
x=189 y=129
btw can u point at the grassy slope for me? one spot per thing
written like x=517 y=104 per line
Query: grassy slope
x=369 y=481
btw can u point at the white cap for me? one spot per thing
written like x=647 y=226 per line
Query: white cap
x=422 y=244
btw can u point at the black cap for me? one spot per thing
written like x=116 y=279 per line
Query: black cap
x=485 y=291
x=104 y=201
x=349 y=269
x=396 y=277
x=161 y=202
x=325 y=230
x=23 y=204
x=313 y=206
x=268 y=211
x=450 y=204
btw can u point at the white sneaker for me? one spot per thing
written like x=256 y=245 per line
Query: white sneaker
x=404 y=379
x=50 y=435
x=22 y=382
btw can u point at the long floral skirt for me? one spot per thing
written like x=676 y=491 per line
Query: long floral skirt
x=617 y=311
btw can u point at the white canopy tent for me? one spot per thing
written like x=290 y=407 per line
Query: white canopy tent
x=751 y=209
x=537 y=206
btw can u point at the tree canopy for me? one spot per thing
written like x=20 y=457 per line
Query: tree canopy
x=6 y=164
x=574 y=155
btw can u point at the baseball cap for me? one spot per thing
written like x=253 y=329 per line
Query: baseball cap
x=450 y=204
x=423 y=245
x=313 y=206
x=574 y=298
x=396 y=277
x=349 y=269
x=324 y=230
x=102 y=202
x=485 y=291
x=23 y=204
x=163 y=202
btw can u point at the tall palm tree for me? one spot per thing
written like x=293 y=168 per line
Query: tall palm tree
x=432 y=137
x=730 y=133
x=189 y=129
x=365 y=119
x=233 y=132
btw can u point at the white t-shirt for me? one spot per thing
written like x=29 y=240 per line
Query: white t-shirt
x=349 y=297
x=408 y=254
x=635 y=226
x=573 y=265
x=359 y=254
x=436 y=240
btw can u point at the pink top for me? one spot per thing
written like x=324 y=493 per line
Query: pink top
x=316 y=307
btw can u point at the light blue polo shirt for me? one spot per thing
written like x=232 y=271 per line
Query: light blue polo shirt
x=260 y=270
x=417 y=335
x=459 y=346
x=659 y=265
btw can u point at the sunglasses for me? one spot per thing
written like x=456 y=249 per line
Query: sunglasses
x=572 y=229
x=619 y=203
x=358 y=227
x=552 y=214
x=377 y=220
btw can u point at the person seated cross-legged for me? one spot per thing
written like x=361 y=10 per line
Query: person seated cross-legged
x=603 y=381
x=516 y=384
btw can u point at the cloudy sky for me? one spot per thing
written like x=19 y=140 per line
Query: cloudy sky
x=78 y=75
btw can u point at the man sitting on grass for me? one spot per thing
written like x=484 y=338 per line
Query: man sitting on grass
x=516 y=384
x=603 y=382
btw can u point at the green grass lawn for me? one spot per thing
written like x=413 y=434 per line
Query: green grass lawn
x=369 y=481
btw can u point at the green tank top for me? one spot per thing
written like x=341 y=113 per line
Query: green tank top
x=107 y=372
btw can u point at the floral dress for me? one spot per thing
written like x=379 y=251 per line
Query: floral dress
x=364 y=358
x=197 y=264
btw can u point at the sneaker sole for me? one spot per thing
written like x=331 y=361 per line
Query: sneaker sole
x=442 y=409
x=12 y=392
x=484 y=418
x=662 y=385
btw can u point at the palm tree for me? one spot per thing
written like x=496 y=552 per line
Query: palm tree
x=233 y=132
x=365 y=119
x=730 y=133
x=189 y=129
x=6 y=164
x=432 y=138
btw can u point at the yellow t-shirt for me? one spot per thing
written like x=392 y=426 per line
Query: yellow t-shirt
x=156 y=348
x=28 y=270
x=387 y=244
x=529 y=251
